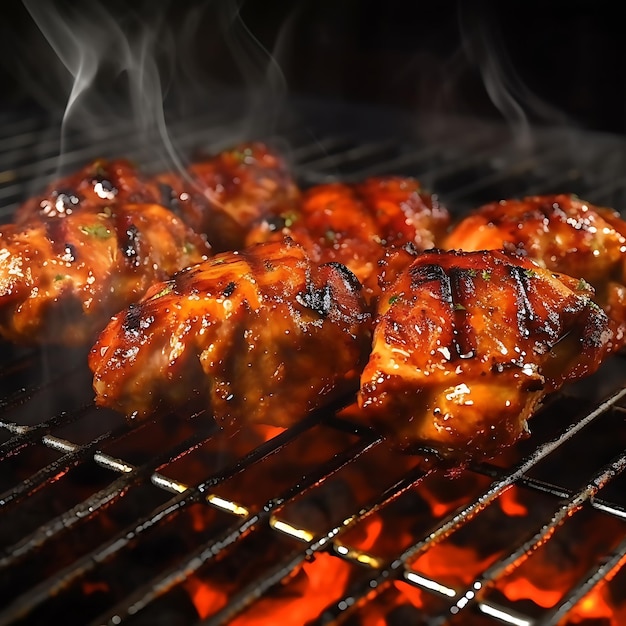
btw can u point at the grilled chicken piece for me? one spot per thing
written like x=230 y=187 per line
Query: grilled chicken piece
x=561 y=233
x=262 y=335
x=94 y=241
x=62 y=276
x=222 y=196
x=466 y=345
x=228 y=194
x=99 y=184
x=355 y=224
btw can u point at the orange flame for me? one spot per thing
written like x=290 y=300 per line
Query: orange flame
x=453 y=564
x=511 y=505
x=327 y=577
x=205 y=597
x=592 y=606
x=523 y=589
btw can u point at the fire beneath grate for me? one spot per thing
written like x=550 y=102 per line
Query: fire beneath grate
x=173 y=522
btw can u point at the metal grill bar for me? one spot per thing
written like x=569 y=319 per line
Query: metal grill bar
x=28 y=436
x=523 y=551
x=254 y=591
x=75 y=455
x=398 y=567
x=157 y=587
x=595 y=577
x=89 y=507
x=30 y=600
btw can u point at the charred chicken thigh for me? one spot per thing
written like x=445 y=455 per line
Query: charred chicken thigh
x=354 y=224
x=562 y=233
x=466 y=345
x=263 y=335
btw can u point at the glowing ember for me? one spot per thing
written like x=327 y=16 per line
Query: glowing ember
x=325 y=580
x=90 y=587
x=451 y=564
x=521 y=589
x=511 y=505
x=205 y=598
x=595 y=606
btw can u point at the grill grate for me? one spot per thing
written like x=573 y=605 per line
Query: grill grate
x=98 y=529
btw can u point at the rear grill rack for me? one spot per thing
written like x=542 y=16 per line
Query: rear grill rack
x=172 y=521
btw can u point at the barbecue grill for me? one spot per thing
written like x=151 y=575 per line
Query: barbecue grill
x=172 y=521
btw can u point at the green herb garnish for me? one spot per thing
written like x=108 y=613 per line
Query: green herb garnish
x=289 y=218
x=99 y=231
x=167 y=289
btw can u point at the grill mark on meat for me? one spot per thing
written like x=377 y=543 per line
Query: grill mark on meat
x=65 y=202
x=463 y=292
x=316 y=299
x=349 y=279
x=132 y=319
x=103 y=187
x=169 y=199
x=70 y=253
x=524 y=308
x=452 y=291
x=430 y=273
x=229 y=289
x=55 y=232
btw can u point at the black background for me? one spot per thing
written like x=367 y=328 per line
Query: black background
x=550 y=62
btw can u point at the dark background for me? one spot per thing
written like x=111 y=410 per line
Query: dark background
x=550 y=62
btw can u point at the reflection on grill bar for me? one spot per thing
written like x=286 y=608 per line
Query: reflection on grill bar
x=398 y=567
x=324 y=488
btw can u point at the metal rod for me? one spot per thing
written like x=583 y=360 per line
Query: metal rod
x=192 y=562
x=63 y=579
x=450 y=523
x=89 y=507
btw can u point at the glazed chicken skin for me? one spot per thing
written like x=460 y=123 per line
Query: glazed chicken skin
x=355 y=224
x=562 y=233
x=99 y=184
x=466 y=345
x=221 y=196
x=262 y=335
x=225 y=196
x=61 y=278
x=94 y=241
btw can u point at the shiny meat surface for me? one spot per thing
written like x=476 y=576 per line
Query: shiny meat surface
x=99 y=184
x=63 y=276
x=261 y=335
x=355 y=224
x=562 y=233
x=228 y=194
x=466 y=345
x=94 y=241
